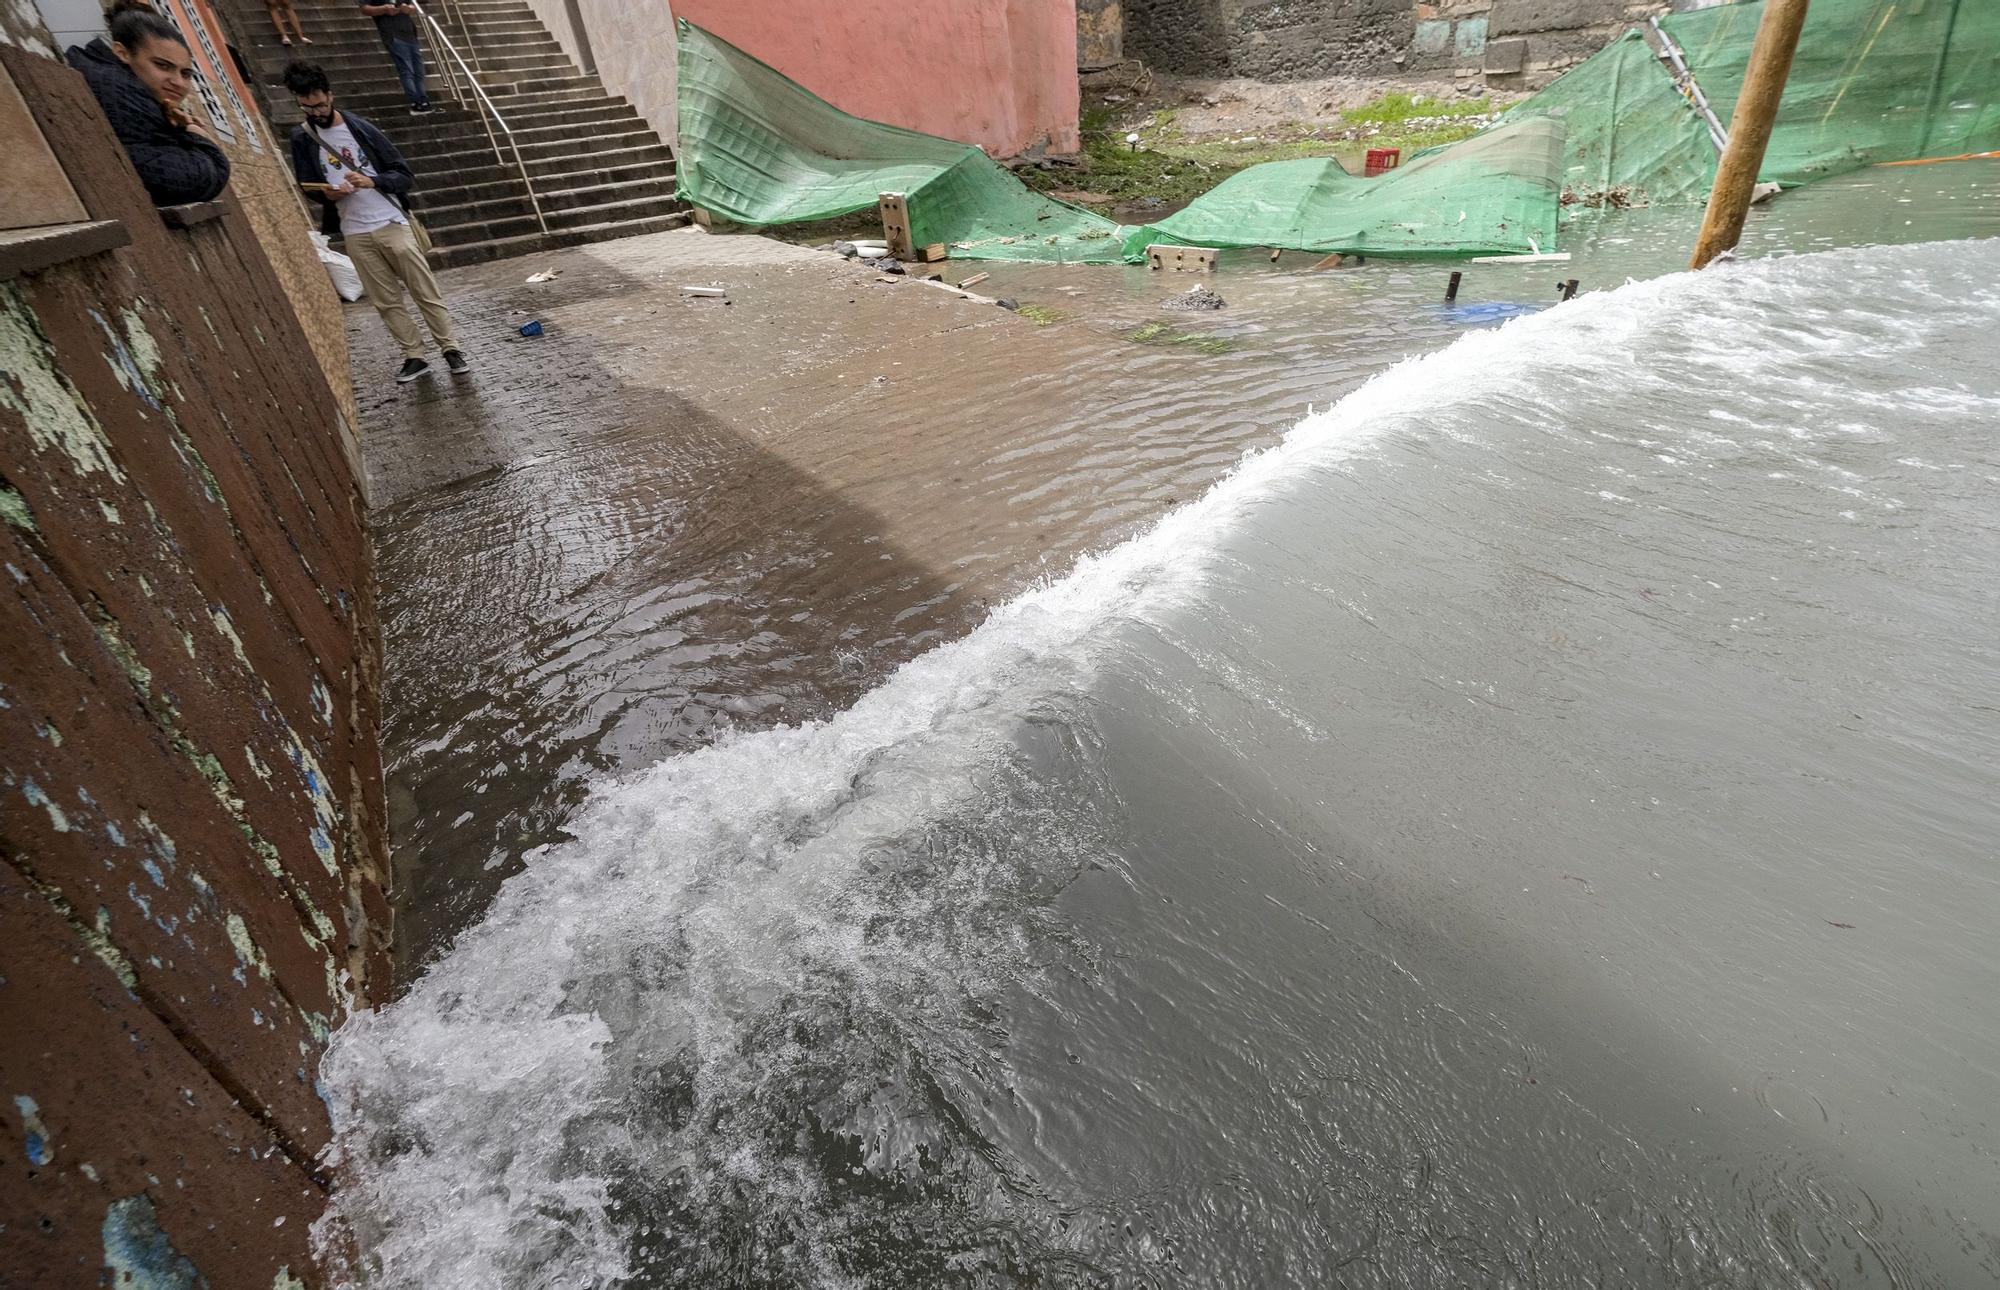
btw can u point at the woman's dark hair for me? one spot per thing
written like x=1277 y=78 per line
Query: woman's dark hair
x=306 y=78
x=134 y=23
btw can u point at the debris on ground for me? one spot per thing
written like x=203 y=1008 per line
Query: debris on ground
x=704 y=291
x=1194 y=298
x=546 y=275
x=1009 y=303
x=887 y=264
x=533 y=327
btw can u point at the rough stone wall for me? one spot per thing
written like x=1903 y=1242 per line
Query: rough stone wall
x=1521 y=44
x=1511 y=44
x=1100 y=33
x=1273 y=40
x=191 y=853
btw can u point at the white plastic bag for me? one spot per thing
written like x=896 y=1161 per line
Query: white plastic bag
x=338 y=267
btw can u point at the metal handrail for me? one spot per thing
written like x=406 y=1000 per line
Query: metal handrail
x=488 y=110
x=453 y=14
x=1689 y=87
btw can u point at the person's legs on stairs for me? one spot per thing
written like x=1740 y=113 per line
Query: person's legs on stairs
x=409 y=56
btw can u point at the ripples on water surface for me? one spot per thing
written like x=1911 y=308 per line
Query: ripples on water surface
x=1532 y=827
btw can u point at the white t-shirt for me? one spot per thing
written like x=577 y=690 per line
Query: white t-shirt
x=365 y=209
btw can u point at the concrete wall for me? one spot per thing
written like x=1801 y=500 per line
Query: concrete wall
x=998 y=73
x=191 y=850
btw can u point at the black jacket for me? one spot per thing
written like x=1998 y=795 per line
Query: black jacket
x=392 y=173
x=176 y=165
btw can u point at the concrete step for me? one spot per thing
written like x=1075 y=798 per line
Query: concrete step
x=354 y=22
x=467 y=145
x=505 y=201
x=434 y=181
x=331 y=49
x=614 y=212
x=641 y=178
x=542 y=147
x=530 y=243
x=381 y=89
x=336 y=35
x=343 y=58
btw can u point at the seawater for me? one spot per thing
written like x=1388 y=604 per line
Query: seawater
x=1533 y=826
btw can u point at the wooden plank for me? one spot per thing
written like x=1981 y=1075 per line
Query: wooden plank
x=24 y=250
x=1188 y=259
x=933 y=253
x=895 y=211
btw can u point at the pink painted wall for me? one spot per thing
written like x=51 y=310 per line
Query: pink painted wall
x=998 y=73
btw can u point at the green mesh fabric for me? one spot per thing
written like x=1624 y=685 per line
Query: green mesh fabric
x=1873 y=80
x=980 y=212
x=760 y=149
x=1631 y=139
x=1494 y=193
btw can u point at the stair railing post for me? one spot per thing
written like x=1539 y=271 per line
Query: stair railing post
x=489 y=116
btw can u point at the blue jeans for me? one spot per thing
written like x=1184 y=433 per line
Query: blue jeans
x=409 y=56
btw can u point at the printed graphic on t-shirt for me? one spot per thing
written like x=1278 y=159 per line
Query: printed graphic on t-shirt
x=365 y=209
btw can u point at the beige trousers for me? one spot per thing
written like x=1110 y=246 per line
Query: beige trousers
x=388 y=260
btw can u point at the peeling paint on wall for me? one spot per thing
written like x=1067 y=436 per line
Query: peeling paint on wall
x=32 y=384
x=139 y=1255
x=37 y=1143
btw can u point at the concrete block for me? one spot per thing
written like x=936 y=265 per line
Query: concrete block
x=1468 y=39
x=1513 y=17
x=1505 y=56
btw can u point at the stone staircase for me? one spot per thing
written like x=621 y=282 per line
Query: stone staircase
x=598 y=169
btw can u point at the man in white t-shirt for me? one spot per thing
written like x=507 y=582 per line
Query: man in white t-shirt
x=364 y=182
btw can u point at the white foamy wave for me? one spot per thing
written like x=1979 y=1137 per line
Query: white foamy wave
x=752 y=942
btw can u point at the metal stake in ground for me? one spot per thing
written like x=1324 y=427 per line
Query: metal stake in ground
x=1750 y=128
x=1451 y=288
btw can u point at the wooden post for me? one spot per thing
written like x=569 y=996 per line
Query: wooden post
x=1750 y=128
x=895 y=212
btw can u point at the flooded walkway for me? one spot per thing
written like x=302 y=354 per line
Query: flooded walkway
x=1530 y=826
x=669 y=517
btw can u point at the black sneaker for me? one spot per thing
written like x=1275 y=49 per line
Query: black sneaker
x=456 y=362
x=412 y=369
x=421 y=109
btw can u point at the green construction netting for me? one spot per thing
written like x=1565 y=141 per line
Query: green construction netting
x=1631 y=138
x=1494 y=193
x=983 y=213
x=759 y=149
x=1873 y=80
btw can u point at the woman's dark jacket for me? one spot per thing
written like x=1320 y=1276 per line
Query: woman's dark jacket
x=177 y=166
